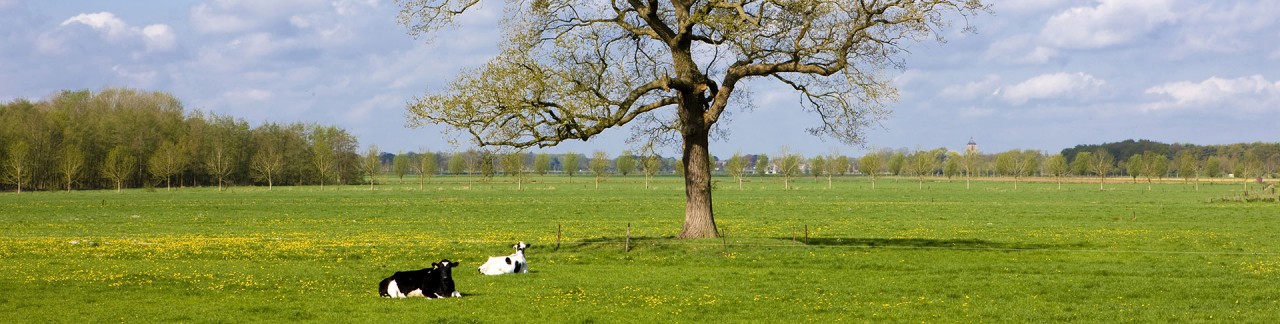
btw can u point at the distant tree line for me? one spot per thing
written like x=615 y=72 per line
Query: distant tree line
x=124 y=138
x=1124 y=150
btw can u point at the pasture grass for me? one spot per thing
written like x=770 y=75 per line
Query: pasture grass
x=897 y=253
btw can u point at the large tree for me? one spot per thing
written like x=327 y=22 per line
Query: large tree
x=571 y=69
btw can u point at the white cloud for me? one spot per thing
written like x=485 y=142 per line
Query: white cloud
x=1252 y=93
x=159 y=37
x=972 y=90
x=238 y=16
x=1108 y=23
x=206 y=19
x=1050 y=86
x=154 y=38
x=107 y=23
x=1038 y=55
x=1229 y=26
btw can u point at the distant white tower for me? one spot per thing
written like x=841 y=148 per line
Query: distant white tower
x=972 y=147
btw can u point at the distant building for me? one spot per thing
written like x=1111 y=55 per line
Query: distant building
x=972 y=147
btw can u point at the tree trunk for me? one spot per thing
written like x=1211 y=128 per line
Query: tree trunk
x=699 y=221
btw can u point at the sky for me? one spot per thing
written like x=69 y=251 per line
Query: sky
x=1033 y=74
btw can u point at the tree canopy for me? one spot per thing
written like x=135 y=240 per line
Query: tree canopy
x=570 y=69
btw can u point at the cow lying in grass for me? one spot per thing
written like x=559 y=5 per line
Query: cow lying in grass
x=434 y=282
x=514 y=263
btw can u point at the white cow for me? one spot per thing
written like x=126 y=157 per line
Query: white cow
x=514 y=263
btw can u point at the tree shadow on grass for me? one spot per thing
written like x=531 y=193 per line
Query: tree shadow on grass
x=921 y=243
x=651 y=242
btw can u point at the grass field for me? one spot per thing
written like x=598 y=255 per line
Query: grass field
x=892 y=254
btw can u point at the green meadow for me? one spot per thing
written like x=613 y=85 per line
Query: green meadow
x=895 y=253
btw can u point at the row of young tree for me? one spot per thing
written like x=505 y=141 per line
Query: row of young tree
x=487 y=164
x=1254 y=161
x=124 y=138
x=920 y=164
x=1188 y=163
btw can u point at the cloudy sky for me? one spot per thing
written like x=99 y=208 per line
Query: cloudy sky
x=1036 y=74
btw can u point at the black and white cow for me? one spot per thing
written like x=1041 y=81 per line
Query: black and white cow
x=433 y=282
x=514 y=263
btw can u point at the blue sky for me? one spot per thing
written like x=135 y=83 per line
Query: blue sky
x=1037 y=74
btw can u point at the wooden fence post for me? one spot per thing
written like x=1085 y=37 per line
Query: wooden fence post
x=559 y=232
x=724 y=238
x=627 y=246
